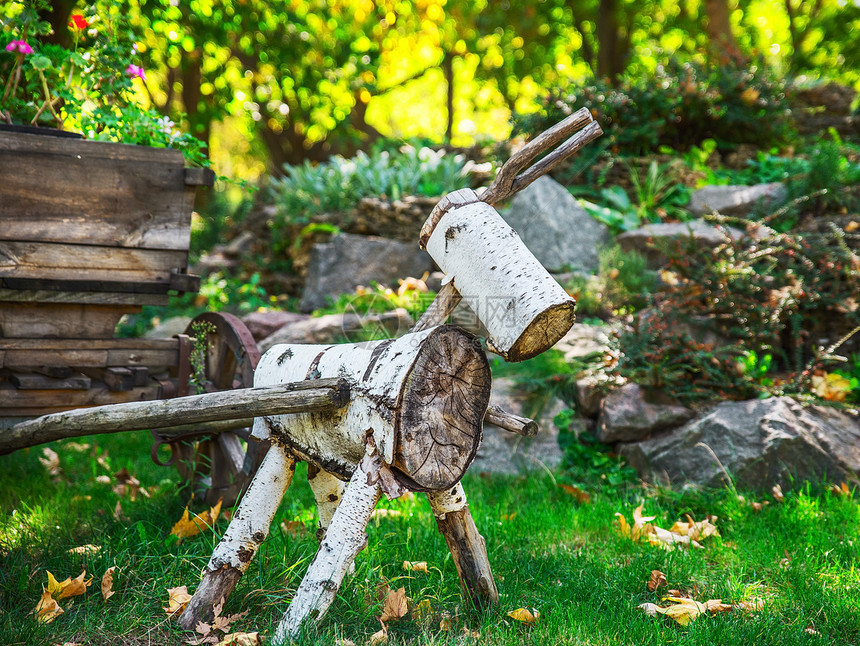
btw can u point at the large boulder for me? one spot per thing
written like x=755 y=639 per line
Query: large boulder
x=263 y=324
x=760 y=443
x=347 y=261
x=505 y=452
x=633 y=413
x=556 y=229
x=737 y=201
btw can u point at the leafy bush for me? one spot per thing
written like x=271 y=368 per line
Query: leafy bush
x=680 y=105
x=621 y=286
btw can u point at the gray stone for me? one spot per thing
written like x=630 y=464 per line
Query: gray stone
x=347 y=261
x=632 y=413
x=556 y=229
x=736 y=200
x=584 y=340
x=168 y=327
x=338 y=328
x=589 y=395
x=759 y=442
x=505 y=452
x=263 y=324
x=651 y=239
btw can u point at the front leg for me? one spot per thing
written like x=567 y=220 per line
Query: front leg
x=466 y=544
x=248 y=528
x=328 y=490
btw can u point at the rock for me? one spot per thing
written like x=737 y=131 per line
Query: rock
x=505 y=452
x=589 y=395
x=652 y=239
x=168 y=328
x=347 y=261
x=555 y=228
x=263 y=324
x=759 y=442
x=584 y=340
x=240 y=245
x=340 y=328
x=214 y=261
x=632 y=413
x=737 y=201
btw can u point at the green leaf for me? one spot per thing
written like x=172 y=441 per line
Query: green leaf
x=41 y=63
x=78 y=60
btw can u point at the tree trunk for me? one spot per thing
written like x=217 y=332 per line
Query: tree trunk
x=720 y=32
x=611 y=53
x=448 y=67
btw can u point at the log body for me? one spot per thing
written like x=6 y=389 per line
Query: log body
x=421 y=398
x=523 y=308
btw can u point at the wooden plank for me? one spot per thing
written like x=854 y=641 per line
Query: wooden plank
x=32 y=381
x=102 y=193
x=57 y=261
x=61 y=320
x=118 y=379
x=303 y=396
x=94 y=353
x=31 y=402
x=98 y=298
x=59 y=285
x=140 y=375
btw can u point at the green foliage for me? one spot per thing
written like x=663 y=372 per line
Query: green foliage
x=767 y=167
x=851 y=372
x=590 y=464
x=622 y=284
x=829 y=177
x=679 y=106
x=542 y=378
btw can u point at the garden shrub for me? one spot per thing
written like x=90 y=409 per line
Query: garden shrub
x=679 y=105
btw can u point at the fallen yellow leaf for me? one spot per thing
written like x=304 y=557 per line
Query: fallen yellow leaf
x=415 y=566
x=424 y=612
x=70 y=587
x=186 y=526
x=47 y=609
x=394 y=606
x=524 y=615
x=641 y=525
x=240 y=639
x=107 y=583
x=684 y=610
x=178 y=598
x=840 y=489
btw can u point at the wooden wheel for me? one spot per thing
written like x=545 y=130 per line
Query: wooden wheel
x=223 y=356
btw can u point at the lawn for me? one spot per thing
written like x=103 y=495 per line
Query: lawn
x=549 y=551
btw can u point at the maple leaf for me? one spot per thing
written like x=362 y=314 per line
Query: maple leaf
x=47 y=609
x=178 y=598
x=415 y=566
x=582 y=497
x=685 y=610
x=186 y=526
x=394 y=606
x=525 y=616
x=107 y=583
x=51 y=461
x=70 y=587
x=657 y=580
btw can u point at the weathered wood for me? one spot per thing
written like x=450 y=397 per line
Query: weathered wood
x=140 y=374
x=248 y=528
x=61 y=320
x=33 y=403
x=62 y=261
x=135 y=196
x=467 y=546
x=118 y=379
x=328 y=491
x=440 y=309
x=510 y=422
x=91 y=353
x=199 y=176
x=343 y=541
x=96 y=298
x=524 y=310
x=29 y=381
x=423 y=395
x=284 y=398
x=87 y=286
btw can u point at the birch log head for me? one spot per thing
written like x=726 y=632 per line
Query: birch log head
x=421 y=397
x=523 y=308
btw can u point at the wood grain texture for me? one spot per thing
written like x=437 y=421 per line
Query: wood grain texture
x=80 y=297
x=61 y=320
x=91 y=353
x=101 y=193
x=30 y=381
x=32 y=403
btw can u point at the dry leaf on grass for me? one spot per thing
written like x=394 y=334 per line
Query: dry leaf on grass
x=777 y=493
x=178 y=598
x=684 y=610
x=415 y=566
x=379 y=637
x=128 y=484
x=474 y=634
x=47 y=609
x=186 y=526
x=394 y=606
x=640 y=527
x=107 y=583
x=841 y=490
x=424 y=612
x=657 y=580
x=70 y=587
x=682 y=534
x=240 y=639
x=51 y=461
x=524 y=615
x=118 y=514
x=344 y=642
x=84 y=549
x=582 y=497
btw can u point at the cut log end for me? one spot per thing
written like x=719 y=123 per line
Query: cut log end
x=543 y=332
x=443 y=404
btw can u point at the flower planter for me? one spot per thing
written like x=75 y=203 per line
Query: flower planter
x=89 y=231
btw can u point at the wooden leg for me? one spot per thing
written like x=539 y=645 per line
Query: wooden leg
x=328 y=490
x=343 y=541
x=248 y=529
x=466 y=544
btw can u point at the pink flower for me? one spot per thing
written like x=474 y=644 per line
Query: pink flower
x=20 y=46
x=136 y=70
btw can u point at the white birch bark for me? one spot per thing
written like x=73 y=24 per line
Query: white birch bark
x=523 y=308
x=343 y=541
x=328 y=490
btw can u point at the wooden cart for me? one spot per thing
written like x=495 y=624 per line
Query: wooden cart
x=91 y=231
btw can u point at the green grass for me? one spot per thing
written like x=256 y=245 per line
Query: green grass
x=555 y=555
